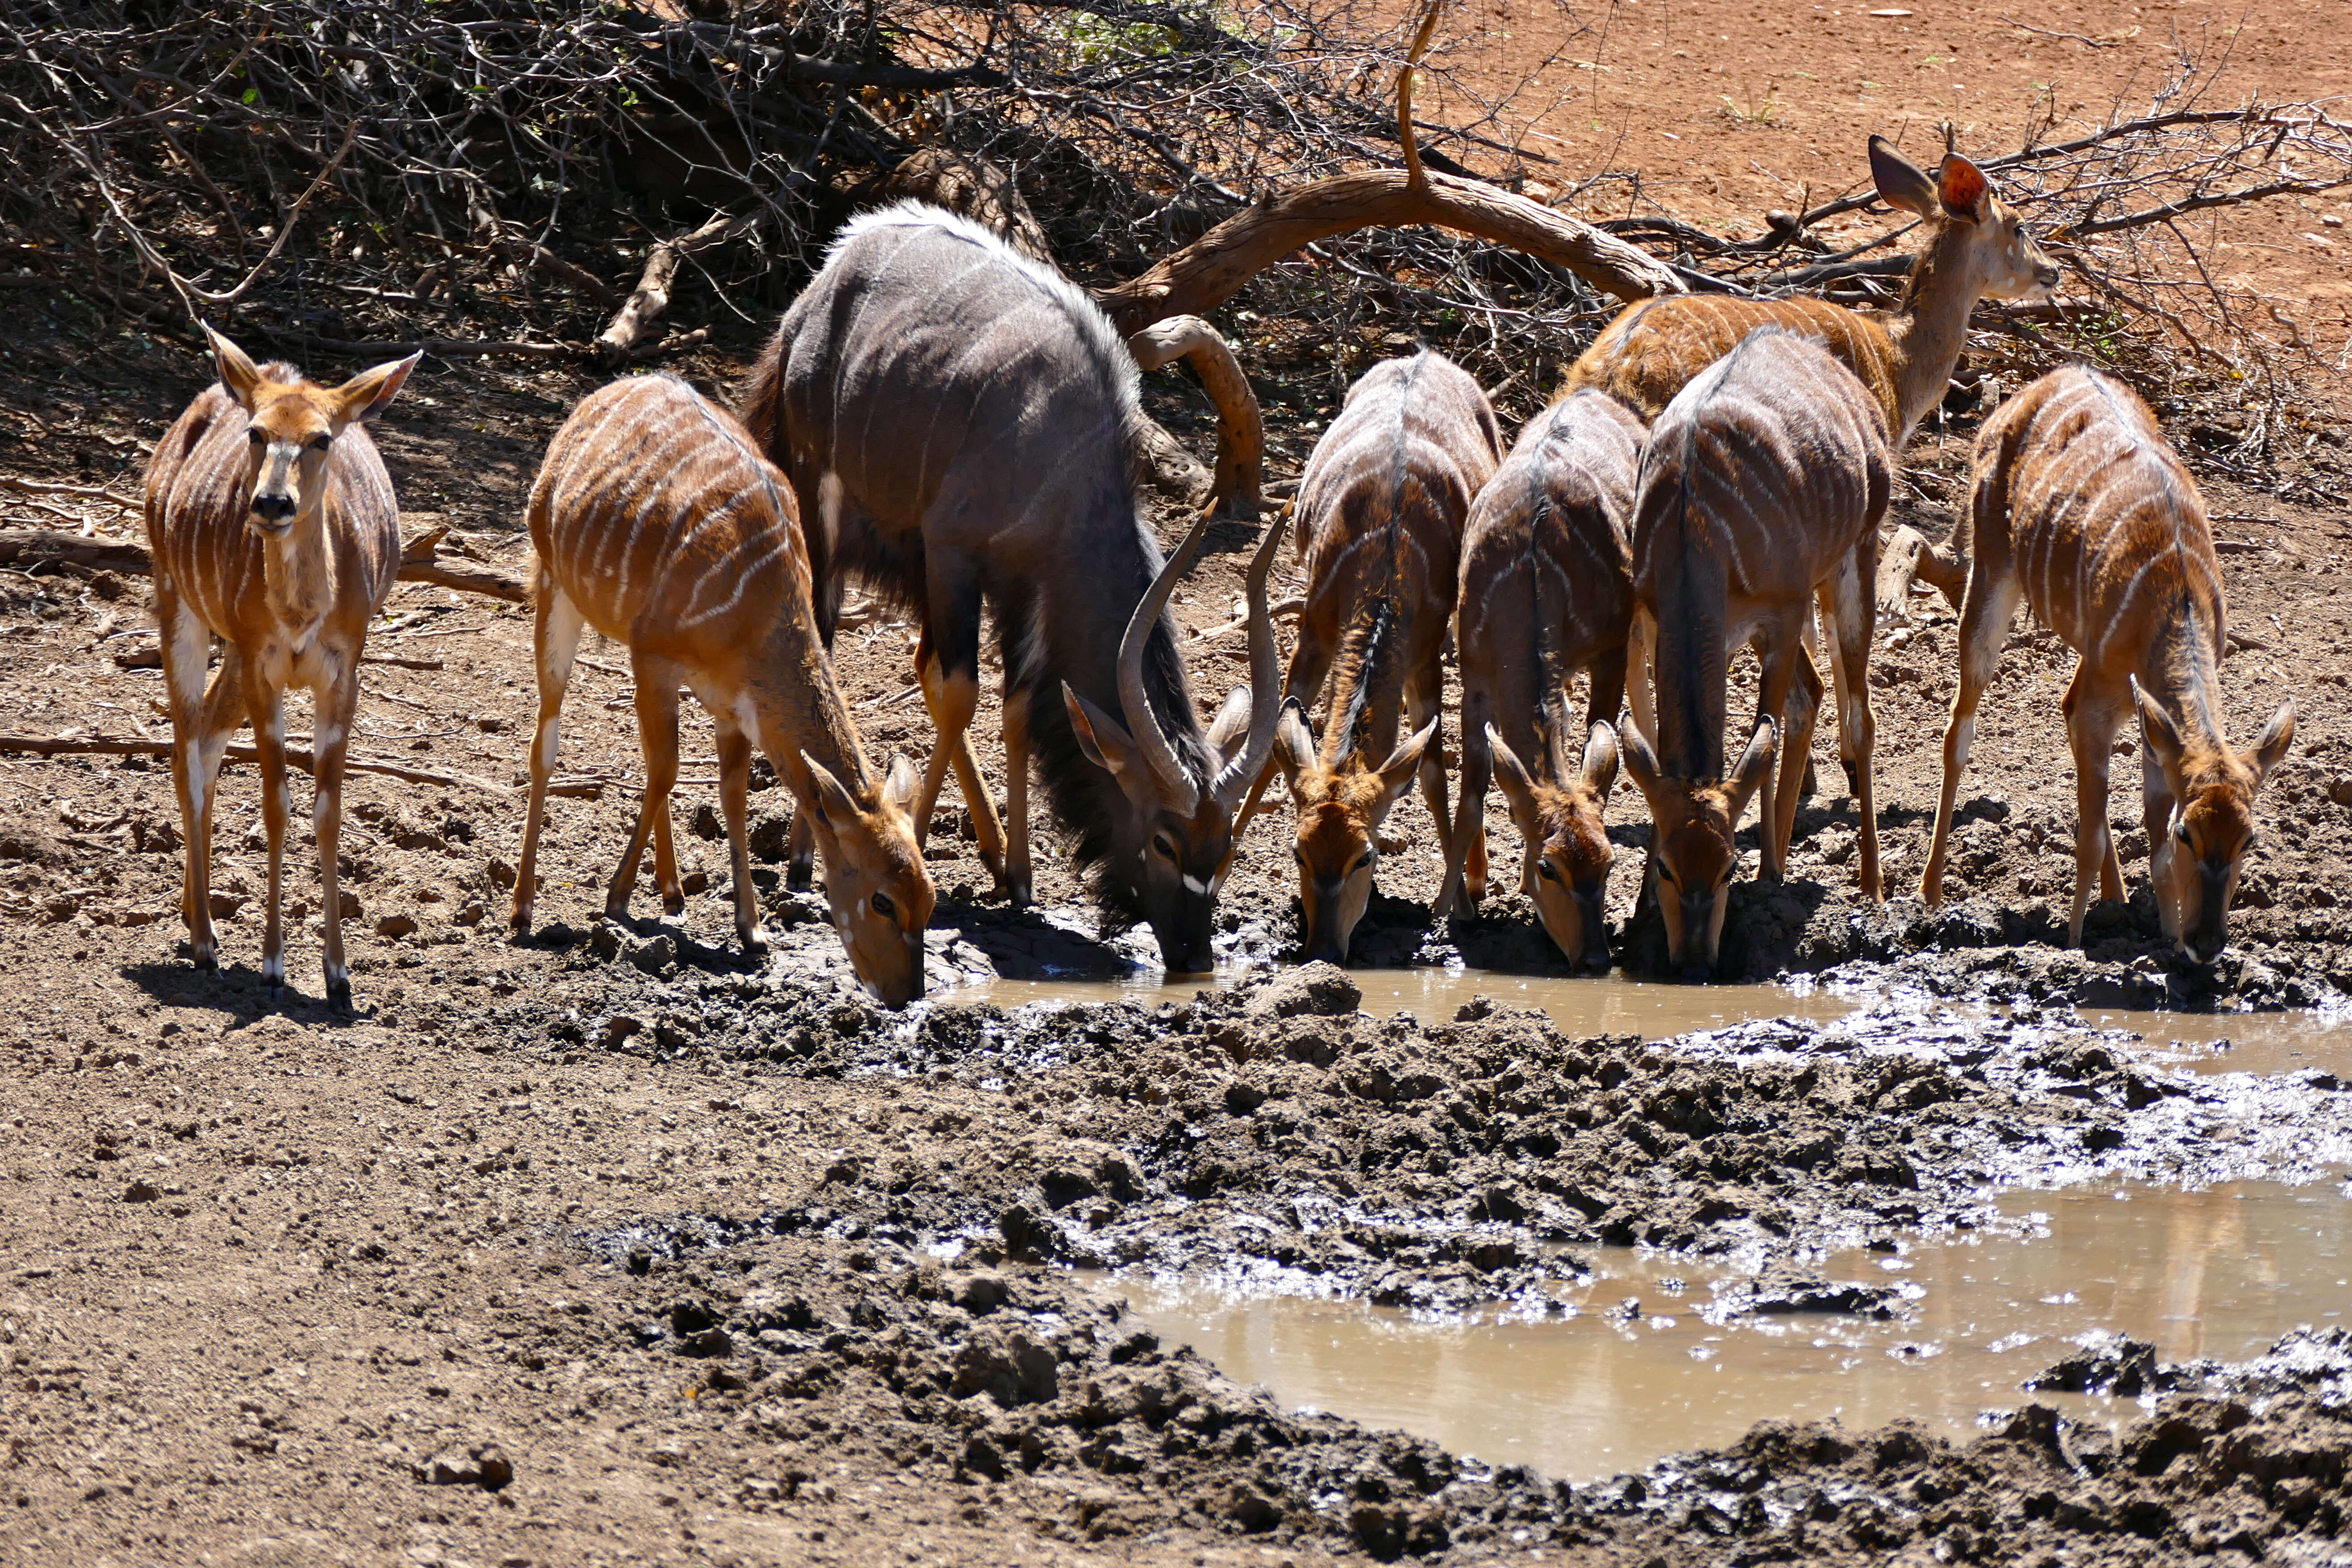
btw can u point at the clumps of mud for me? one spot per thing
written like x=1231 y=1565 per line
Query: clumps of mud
x=1274 y=1136
x=1048 y=1408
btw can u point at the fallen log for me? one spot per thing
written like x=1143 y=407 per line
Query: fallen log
x=296 y=756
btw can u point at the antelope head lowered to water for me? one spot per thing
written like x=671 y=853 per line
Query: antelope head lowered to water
x=656 y=521
x=1547 y=589
x=961 y=422
x=1763 y=484
x=2082 y=508
x=1383 y=502
x=1187 y=822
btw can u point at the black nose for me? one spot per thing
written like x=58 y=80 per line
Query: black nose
x=274 y=508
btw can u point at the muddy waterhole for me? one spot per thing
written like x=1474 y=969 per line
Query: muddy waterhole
x=1649 y=1355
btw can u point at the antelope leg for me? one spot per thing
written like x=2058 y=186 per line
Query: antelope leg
x=656 y=705
x=555 y=637
x=268 y=708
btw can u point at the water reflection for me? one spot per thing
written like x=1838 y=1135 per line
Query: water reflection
x=2217 y=1273
x=1615 y=1004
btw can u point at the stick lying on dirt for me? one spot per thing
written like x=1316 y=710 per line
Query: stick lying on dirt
x=418 y=560
x=651 y=296
x=296 y=756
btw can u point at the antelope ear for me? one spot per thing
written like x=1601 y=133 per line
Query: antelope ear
x=833 y=804
x=1102 y=738
x=2277 y=736
x=1641 y=763
x=1754 y=766
x=371 y=392
x=1293 y=747
x=1231 y=726
x=2158 y=732
x=1901 y=183
x=1600 y=760
x=238 y=373
x=1963 y=191
x=898 y=789
x=1396 y=773
x=1519 y=787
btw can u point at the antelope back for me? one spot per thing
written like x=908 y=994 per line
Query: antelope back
x=658 y=519
x=1759 y=480
x=2108 y=537
x=1382 y=504
x=654 y=514
x=1546 y=569
x=938 y=396
x=1974 y=247
x=1653 y=347
x=2105 y=526
x=200 y=487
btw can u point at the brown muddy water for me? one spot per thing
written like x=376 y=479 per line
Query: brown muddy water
x=1614 y=1004
x=1603 y=1390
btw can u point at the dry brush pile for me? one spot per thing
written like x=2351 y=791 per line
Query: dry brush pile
x=538 y=178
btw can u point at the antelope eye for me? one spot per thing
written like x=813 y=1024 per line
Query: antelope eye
x=1666 y=874
x=321 y=443
x=885 y=908
x=255 y=435
x=1167 y=849
x=2180 y=831
x=1361 y=862
x=1548 y=871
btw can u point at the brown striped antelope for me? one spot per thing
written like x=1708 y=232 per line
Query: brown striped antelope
x=274 y=529
x=1763 y=484
x=1546 y=590
x=1976 y=247
x=1382 y=501
x=2081 y=507
x=961 y=422
x=657 y=522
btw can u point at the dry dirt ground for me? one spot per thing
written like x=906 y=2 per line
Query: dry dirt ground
x=613 y=1248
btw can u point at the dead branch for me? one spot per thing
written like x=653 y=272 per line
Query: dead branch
x=1240 y=430
x=1212 y=268
x=296 y=756
x=418 y=560
x=651 y=296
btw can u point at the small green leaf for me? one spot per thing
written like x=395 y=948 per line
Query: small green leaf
x=251 y=93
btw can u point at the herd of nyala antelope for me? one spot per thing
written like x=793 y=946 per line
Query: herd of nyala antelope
x=952 y=424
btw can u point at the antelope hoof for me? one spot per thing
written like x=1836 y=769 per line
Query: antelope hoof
x=519 y=923
x=616 y=907
x=992 y=862
x=206 y=957
x=799 y=876
x=338 y=993
x=755 y=941
x=674 y=904
x=1018 y=892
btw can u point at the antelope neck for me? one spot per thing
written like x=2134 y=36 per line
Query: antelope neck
x=1930 y=328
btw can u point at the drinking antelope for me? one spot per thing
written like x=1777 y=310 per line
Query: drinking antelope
x=1976 y=247
x=1547 y=589
x=2081 y=507
x=1383 y=500
x=959 y=421
x=274 y=529
x=1763 y=483
x=657 y=522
